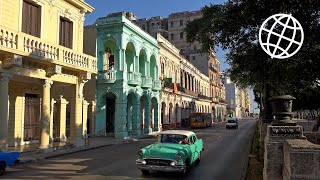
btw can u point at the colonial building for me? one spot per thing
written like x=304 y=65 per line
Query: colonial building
x=127 y=85
x=172 y=28
x=185 y=88
x=43 y=71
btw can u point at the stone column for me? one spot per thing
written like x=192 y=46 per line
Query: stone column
x=51 y=119
x=92 y=118
x=85 y=117
x=76 y=114
x=147 y=118
x=121 y=118
x=136 y=129
x=4 y=90
x=45 y=115
x=62 y=118
x=135 y=63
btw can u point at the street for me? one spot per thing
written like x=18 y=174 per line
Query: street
x=225 y=157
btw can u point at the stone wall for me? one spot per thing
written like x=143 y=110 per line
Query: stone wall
x=301 y=160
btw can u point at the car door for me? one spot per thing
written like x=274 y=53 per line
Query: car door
x=199 y=145
x=192 y=148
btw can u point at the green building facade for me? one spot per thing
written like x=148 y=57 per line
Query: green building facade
x=128 y=85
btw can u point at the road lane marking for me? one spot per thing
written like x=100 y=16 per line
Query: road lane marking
x=219 y=137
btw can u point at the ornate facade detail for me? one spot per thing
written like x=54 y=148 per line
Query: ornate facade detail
x=47 y=83
x=12 y=60
x=55 y=69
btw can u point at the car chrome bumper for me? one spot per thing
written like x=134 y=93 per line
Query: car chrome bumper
x=176 y=168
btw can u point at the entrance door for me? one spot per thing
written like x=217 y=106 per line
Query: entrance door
x=32 y=117
x=110 y=114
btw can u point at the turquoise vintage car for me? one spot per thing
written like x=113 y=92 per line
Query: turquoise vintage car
x=173 y=151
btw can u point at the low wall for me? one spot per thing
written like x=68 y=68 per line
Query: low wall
x=301 y=160
x=313 y=137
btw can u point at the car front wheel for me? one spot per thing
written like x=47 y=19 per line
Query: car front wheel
x=2 y=168
x=198 y=160
x=145 y=172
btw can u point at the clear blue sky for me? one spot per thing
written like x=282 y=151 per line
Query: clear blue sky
x=150 y=8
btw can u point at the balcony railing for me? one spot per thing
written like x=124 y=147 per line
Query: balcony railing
x=146 y=82
x=27 y=45
x=204 y=97
x=192 y=93
x=109 y=76
x=134 y=78
x=156 y=85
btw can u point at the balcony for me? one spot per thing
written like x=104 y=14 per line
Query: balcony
x=168 y=85
x=204 y=97
x=156 y=85
x=26 y=45
x=146 y=82
x=134 y=78
x=192 y=93
x=107 y=76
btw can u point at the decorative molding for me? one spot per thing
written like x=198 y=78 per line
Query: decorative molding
x=47 y=83
x=55 y=69
x=86 y=76
x=12 y=60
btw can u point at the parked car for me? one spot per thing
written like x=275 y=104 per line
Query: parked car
x=8 y=159
x=232 y=123
x=173 y=151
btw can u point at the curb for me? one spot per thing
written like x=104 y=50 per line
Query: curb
x=57 y=154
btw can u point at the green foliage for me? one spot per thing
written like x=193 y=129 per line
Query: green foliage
x=234 y=26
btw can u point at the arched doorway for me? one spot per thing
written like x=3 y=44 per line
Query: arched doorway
x=110 y=113
x=170 y=114
x=163 y=114
x=176 y=109
x=154 y=114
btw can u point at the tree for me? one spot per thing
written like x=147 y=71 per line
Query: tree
x=235 y=24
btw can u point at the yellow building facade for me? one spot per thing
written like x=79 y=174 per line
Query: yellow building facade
x=43 y=71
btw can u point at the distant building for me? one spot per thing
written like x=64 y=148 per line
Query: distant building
x=238 y=99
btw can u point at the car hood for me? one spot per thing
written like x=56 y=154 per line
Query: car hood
x=163 y=150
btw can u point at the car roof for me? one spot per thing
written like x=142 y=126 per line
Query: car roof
x=232 y=118
x=181 y=132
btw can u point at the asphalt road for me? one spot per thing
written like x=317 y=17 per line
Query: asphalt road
x=225 y=157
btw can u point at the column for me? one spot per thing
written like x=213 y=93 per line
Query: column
x=136 y=63
x=76 y=115
x=147 y=118
x=84 y=117
x=62 y=118
x=92 y=118
x=51 y=119
x=136 y=129
x=156 y=116
x=45 y=115
x=4 y=89
x=121 y=118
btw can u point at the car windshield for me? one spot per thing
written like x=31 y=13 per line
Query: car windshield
x=171 y=138
x=231 y=121
x=197 y=119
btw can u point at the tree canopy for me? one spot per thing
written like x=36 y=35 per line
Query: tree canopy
x=235 y=25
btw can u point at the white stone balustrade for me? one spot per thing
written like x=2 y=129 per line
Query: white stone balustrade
x=27 y=45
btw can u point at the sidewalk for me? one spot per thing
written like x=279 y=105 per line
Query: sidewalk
x=31 y=154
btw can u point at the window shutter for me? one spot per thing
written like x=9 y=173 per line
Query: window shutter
x=31 y=19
